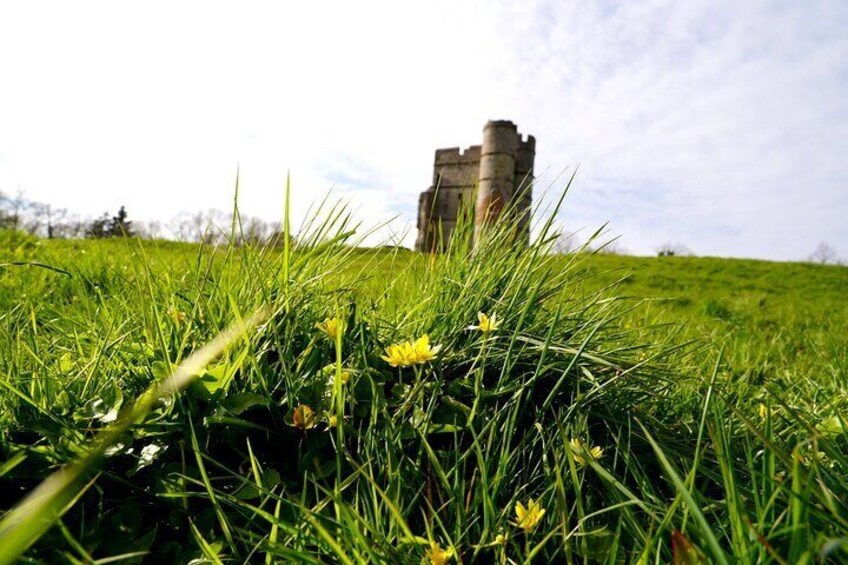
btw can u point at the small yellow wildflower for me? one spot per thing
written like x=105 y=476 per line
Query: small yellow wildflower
x=763 y=411
x=303 y=417
x=399 y=355
x=425 y=352
x=485 y=323
x=333 y=421
x=580 y=452
x=439 y=556
x=529 y=516
x=331 y=327
x=411 y=352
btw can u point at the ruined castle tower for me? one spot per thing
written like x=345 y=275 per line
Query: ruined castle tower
x=492 y=173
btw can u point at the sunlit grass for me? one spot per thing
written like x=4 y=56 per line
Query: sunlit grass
x=552 y=414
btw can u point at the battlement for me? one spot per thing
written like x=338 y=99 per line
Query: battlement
x=455 y=156
x=525 y=155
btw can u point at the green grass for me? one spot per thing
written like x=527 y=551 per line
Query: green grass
x=715 y=387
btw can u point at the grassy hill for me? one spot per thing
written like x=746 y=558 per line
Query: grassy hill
x=714 y=388
x=770 y=317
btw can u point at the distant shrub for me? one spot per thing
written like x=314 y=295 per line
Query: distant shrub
x=674 y=250
x=116 y=226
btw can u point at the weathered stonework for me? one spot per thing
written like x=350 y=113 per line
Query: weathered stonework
x=491 y=174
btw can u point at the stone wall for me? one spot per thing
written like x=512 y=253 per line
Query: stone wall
x=483 y=178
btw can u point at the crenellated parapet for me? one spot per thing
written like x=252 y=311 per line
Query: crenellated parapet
x=481 y=177
x=457 y=156
x=456 y=169
x=525 y=155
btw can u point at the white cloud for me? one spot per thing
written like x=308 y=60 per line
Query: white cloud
x=718 y=124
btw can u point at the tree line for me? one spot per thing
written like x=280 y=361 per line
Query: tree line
x=211 y=227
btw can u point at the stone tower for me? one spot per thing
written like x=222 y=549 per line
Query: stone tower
x=492 y=173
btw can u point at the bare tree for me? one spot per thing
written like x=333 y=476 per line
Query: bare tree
x=255 y=231
x=210 y=227
x=70 y=226
x=12 y=208
x=824 y=255
x=179 y=227
x=151 y=229
x=55 y=219
x=34 y=217
x=38 y=218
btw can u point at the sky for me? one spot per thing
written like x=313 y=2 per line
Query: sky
x=719 y=126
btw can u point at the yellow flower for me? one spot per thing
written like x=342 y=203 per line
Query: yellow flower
x=411 y=352
x=439 y=556
x=303 y=417
x=485 y=323
x=331 y=327
x=399 y=355
x=425 y=352
x=763 y=411
x=529 y=516
x=580 y=452
x=333 y=421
